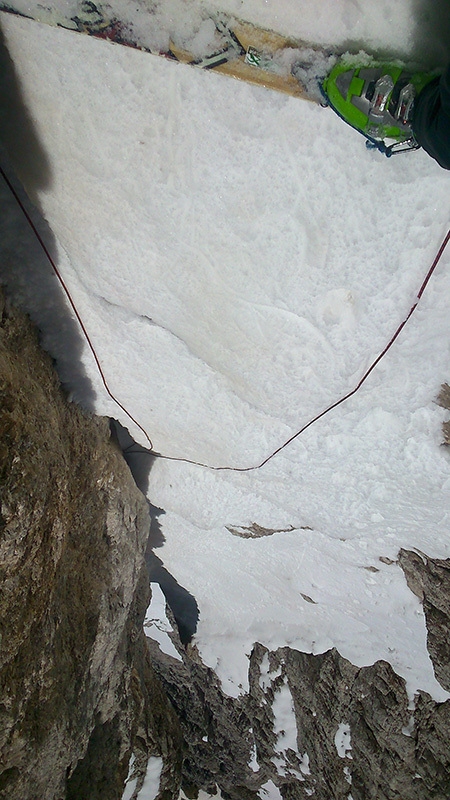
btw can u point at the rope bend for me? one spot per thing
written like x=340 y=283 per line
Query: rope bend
x=288 y=441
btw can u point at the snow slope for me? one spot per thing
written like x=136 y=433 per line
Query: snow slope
x=239 y=259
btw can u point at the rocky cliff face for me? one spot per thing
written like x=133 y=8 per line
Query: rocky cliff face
x=77 y=690
x=355 y=736
x=82 y=690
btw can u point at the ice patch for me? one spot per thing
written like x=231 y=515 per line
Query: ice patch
x=130 y=782
x=269 y=792
x=267 y=676
x=342 y=741
x=253 y=763
x=290 y=764
x=156 y=624
x=150 y=787
x=408 y=729
x=285 y=725
x=304 y=764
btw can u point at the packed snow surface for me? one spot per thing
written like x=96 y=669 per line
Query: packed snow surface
x=239 y=260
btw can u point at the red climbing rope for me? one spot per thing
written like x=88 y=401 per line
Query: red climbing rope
x=291 y=438
x=346 y=396
x=375 y=362
x=72 y=304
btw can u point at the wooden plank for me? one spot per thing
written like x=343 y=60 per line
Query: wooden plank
x=234 y=64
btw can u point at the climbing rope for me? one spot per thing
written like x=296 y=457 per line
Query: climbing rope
x=72 y=304
x=294 y=436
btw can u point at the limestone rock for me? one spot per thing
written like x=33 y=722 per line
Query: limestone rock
x=77 y=690
x=429 y=579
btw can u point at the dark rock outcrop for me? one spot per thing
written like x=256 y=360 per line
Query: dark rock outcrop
x=393 y=752
x=429 y=579
x=77 y=690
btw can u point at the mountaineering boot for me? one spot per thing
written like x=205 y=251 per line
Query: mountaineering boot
x=377 y=100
